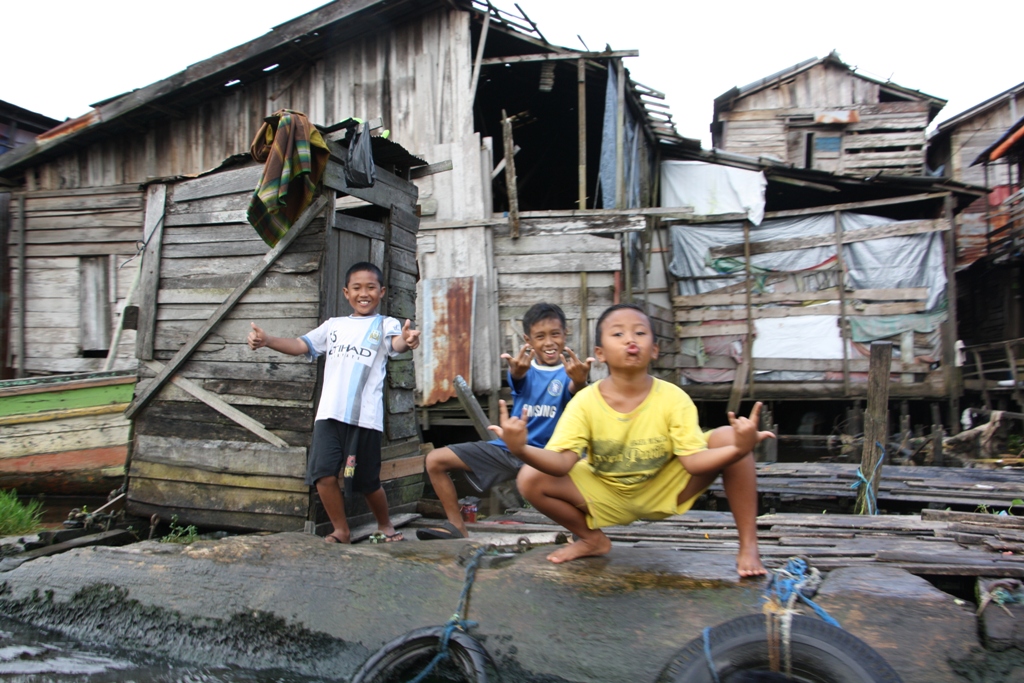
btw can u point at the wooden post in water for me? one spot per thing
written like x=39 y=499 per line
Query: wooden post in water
x=876 y=426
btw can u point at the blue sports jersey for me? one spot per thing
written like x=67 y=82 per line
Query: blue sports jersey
x=544 y=390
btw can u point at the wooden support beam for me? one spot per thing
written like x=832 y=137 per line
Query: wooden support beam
x=844 y=325
x=581 y=125
x=431 y=169
x=200 y=335
x=876 y=427
x=559 y=56
x=748 y=346
x=954 y=379
x=510 y=175
x=620 y=136
x=220 y=405
x=22 y=294
x=472 y=408
x=149 y=270
x=899 y=229
x=584 y=348
x=479 y=57
x=854 y=206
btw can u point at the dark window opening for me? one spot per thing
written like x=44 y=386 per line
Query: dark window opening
x=543 y=97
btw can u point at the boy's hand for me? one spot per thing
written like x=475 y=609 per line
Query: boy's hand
x=257 y=338
x=512 y=430
x=745 y=428
x=410 y=336
x=520 y=363
x=578 y=370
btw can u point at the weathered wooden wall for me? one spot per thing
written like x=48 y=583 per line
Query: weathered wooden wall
x=74 y=240
x=188 y=458
x=192 y=460
x=415 y=75
x=886 y=137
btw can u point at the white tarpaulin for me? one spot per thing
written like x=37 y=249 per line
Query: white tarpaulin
x=788 y=337
x=713 y=189
x=887 y=263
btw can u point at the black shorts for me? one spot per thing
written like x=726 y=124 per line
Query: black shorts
x=488 y=464
x=333 y=441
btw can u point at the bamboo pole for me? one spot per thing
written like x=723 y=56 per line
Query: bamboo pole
x=581 y=109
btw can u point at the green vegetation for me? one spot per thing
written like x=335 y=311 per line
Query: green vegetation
x=180 y=534
x=17 y=517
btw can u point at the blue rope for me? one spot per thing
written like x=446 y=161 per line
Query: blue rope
x=707 y=653
x=784 y=588
x=456 y=621
x=869 y=496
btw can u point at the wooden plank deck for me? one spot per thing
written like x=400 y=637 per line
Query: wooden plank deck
x=930 y=544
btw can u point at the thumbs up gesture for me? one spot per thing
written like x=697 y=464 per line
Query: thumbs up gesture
x=257 y=338
x=410 y=336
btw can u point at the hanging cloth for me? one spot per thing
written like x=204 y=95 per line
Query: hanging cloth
x=294 y=157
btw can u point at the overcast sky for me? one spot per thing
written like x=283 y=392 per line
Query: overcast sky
x=60 y=56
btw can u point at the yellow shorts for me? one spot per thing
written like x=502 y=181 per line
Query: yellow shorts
x=609 y=504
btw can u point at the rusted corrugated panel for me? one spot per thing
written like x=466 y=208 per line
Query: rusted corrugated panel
x=449 y=306
x=70 y=126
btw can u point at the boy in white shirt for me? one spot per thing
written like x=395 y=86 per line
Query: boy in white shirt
x=350 y=418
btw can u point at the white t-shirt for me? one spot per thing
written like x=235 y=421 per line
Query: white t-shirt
x=357 y=350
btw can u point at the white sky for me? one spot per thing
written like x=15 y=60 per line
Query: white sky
x=60 y=56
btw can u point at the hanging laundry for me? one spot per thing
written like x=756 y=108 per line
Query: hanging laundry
x=294 y=155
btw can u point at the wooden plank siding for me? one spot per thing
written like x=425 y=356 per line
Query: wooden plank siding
x=880 y=137
x=192 y=460
x=403 y=74
x=67 y=231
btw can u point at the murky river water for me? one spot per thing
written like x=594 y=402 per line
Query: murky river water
x=29 y=655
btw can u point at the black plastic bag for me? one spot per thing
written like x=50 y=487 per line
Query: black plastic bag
x=360 y=170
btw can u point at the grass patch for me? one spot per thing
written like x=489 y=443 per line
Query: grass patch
x=180 y=534
x=17 y=517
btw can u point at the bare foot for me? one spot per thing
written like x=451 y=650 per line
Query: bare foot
x=337 y=537
x=598 y=544
x=748 y=562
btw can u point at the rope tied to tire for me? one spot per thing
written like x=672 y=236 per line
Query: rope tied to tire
x=456 y=621
x=785 y=587
x=871 y=496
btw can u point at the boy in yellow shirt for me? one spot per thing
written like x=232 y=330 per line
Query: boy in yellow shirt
x=629 y=447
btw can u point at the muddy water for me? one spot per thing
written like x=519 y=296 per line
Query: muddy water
x=29 y=655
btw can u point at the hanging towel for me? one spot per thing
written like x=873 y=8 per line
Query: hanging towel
x=294 y=157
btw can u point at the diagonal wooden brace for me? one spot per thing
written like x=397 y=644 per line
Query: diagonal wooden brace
x=200 y=335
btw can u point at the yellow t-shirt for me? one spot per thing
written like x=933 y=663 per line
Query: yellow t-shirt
x=628 y=449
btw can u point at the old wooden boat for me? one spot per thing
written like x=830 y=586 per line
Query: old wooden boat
x=65 y=434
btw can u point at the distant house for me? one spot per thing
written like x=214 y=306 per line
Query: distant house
x=957 y=144
x=821 y=114
x=19 y=126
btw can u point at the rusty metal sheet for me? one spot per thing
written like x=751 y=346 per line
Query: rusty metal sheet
x=449 y=309
x=70 y=126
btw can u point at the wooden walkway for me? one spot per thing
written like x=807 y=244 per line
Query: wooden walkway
x=923 y=486
x=934 y=543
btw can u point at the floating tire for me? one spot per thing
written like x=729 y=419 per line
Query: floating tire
x=821 y=653
x=405 y=657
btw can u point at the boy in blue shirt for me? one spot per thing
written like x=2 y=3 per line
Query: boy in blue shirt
x=543 y=376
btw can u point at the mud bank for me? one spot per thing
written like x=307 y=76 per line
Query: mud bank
x=292 y=601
